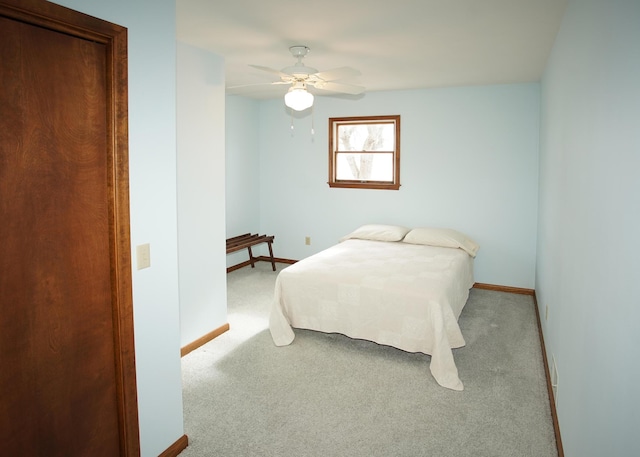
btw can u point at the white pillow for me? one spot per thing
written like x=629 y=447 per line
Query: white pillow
x=444 y=237
x=378 y=232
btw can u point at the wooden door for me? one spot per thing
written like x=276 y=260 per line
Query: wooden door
x=67 y=370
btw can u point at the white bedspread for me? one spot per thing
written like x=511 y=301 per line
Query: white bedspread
x=393 y=293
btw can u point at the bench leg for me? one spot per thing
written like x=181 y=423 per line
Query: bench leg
x=251 y=257
x=273 y=263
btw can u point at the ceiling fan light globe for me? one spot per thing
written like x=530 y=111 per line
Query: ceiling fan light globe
x=298 y=99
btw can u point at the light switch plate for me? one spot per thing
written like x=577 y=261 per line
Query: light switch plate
x=143 y=256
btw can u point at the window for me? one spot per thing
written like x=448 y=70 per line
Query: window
x=364 y=152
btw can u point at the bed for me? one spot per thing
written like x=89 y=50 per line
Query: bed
x=387 y=284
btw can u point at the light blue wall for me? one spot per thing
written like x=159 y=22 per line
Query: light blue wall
x=201 y=181
x=588 y=270
x=469 y=159
x=152 y=170
x=242 y=170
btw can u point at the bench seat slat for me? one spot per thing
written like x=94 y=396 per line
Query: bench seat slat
x=246 y=241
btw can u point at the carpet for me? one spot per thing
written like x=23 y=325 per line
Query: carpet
x=330 y=395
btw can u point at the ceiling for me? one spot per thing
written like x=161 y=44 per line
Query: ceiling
x=396 y=45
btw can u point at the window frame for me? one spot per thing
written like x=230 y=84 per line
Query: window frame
x=333 y=182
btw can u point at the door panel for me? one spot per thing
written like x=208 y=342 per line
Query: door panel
x=65 y=325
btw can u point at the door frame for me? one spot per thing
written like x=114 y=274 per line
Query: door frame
x=58 y=18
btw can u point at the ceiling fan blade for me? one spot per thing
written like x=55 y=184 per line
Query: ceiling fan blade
x=339 y=87
x=258 y=84
x=271 y=70
x=338 y=73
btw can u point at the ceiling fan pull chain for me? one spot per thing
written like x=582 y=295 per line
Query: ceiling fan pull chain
x=291 y=111
x=312 y=129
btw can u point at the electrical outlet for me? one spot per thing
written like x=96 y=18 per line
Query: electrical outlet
x=307 y=240
x=143 y=256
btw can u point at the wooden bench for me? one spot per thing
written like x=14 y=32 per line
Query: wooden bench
x=247 y=240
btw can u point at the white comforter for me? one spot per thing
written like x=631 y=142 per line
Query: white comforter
x=398 y=294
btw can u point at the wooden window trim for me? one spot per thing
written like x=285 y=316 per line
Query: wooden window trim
x=352 y=184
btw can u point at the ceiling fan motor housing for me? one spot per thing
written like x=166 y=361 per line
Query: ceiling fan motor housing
x=300 y=71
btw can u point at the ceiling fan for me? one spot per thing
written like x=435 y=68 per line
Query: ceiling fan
x=300 y=77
